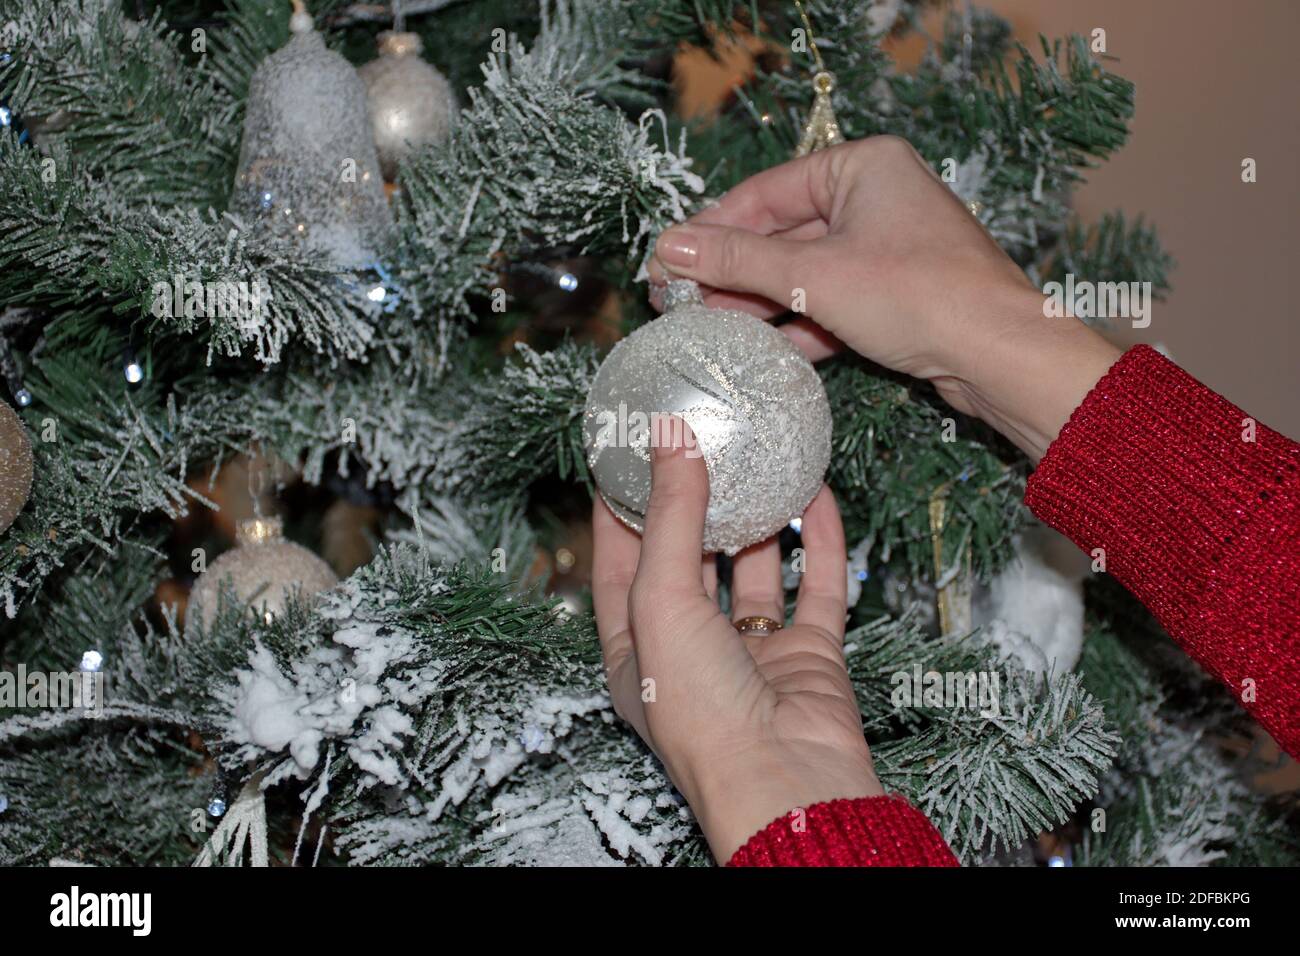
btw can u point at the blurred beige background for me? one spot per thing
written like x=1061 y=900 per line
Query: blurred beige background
x=1216 y=82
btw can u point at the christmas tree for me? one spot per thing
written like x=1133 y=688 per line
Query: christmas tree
x=225 y=334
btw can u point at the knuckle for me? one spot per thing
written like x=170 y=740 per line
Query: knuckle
x=640 y=598
x=621 y=710
x=651 y=604
x=764 y=605
x=610 y=575
x=731 y=256
x=665 y=497
x=658 y=598
x=672 y=491
x=891 y=146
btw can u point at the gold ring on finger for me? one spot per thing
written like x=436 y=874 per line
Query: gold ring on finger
x=758 y=625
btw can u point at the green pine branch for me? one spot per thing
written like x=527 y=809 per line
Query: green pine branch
x=117 y=94
x=1111 y=250
x=992 y=782
x=536 y=164
x=891 y=455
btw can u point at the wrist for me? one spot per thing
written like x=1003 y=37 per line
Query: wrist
x=1029 y=372
x=735 y=798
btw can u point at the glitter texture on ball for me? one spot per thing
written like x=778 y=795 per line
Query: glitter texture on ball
x=756 y=405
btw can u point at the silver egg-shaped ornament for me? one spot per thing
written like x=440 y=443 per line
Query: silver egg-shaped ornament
x=264 y=570
x=754 y=402
x=410 y=103
x=307 y=163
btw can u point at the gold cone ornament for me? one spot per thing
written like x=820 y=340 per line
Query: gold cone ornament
x=822 y=128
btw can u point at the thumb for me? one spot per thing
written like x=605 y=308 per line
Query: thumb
x=672 y=545
x=732 y=259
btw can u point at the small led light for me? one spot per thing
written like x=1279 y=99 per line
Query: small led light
x=133 y=372
x=377 y=294
x=564 y=559
x=862 y=575
x=568 y=282
x=23 y=397
x=91 y=662
x=796 y=524
x=570 y=606
x=6 y=117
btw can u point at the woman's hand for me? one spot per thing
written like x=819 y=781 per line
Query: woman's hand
x=865 y=240
x=749 y=728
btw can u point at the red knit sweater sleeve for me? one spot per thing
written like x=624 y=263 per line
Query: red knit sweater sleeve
x=868 y=831
x=1197 y=509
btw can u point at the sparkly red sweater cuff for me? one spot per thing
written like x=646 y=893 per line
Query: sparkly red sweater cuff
x=1195 y=508
x=868 y=831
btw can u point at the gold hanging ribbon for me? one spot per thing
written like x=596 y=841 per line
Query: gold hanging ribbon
x=954 y=597
x=822 y=129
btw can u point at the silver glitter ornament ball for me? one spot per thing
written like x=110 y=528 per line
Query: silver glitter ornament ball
x=411 y=104
x=307 y=164
x=15 y=466
x=756 y=405
x=264 y=569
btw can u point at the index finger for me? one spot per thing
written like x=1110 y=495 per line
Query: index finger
x=779 y=198
x=823 y=592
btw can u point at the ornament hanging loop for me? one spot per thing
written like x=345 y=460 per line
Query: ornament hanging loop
x=301 y=21
x=396 y=43
x=681 y=292
x=822 y=129
x=259 y=531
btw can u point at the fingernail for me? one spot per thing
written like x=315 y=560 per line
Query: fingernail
x=669 y=435
x=661 y=438
x=691 y=446
x=678 y=247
